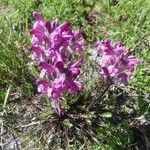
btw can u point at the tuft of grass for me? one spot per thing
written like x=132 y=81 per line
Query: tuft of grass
x=116 y=137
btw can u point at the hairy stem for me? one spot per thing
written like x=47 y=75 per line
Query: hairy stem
x=94 y=102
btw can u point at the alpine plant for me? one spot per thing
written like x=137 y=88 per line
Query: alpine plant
x=117 y=62
x=56 y=50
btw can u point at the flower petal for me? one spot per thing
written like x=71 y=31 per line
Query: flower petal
x=37 y=16
x=77 y=63
x=42 y=85
x=36 y=49
x=49 y=68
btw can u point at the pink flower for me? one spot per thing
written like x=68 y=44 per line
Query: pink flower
x=116 y=62
x=43 y=86
x=53 y=47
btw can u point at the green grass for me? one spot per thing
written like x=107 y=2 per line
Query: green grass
x=127 y=21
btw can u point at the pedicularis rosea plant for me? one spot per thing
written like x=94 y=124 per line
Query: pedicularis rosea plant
x=117 y=62
x=56 y=49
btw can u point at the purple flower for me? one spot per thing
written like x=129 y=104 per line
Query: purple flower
x=116 y=61
x=53 y=47
x=49 y=68
x=43 y=86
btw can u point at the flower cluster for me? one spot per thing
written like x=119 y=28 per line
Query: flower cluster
x=53 y=48
x=116 y=61
x=56 y=49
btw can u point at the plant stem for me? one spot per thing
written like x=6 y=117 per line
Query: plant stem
x=93 y=103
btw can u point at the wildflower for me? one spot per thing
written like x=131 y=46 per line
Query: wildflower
x=116 y=61
x=53 y=48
